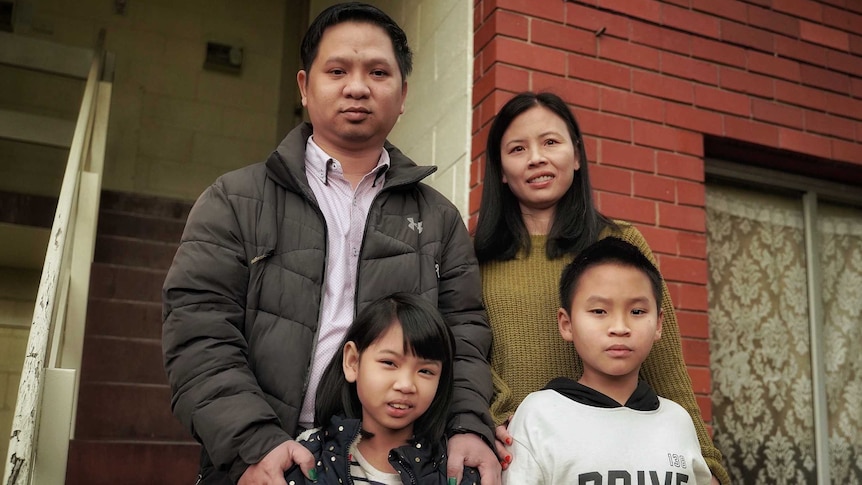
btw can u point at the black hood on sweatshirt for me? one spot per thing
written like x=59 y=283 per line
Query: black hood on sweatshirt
x=643 y=399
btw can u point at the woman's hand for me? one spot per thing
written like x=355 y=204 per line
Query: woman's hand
x=503 y=440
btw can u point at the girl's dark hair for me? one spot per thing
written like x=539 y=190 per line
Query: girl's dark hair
x=500 y=230
x=426 y=335
x=356 y=12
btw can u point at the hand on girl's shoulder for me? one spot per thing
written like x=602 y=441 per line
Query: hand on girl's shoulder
x=310 y=439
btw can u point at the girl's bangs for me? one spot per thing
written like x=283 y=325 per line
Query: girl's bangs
x=423 y=338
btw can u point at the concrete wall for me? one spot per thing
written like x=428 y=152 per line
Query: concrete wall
x=290 y=112
x=435 y=127
x=24 y=167
x=175 y=126
x=657 y=86
x=13 y=344
x=17 y=297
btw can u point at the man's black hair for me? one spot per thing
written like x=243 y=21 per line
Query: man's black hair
x=356 y=12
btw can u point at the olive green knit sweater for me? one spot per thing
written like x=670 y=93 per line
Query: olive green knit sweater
x=522 y=297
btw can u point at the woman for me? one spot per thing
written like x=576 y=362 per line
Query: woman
x=537 y=212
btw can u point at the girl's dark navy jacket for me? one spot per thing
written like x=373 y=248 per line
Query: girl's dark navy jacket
x=414 y=462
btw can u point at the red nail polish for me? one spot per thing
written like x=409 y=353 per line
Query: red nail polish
x=508 y=458
x=508 y=441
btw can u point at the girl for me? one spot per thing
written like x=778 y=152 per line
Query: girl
x=536 y=214
x=384 y=400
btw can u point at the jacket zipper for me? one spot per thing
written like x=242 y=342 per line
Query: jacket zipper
x=263 y=256
x=346 y=453
x=313 y=202
x=405 y=465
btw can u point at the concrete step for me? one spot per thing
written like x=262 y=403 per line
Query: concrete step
x=130 y=412
x=42 y=55
x=146 y=205
x=23 y=247
x=109 y=281
x=141 y=253
x=40 y=130
x=124 y=318
x=124 y=431
x=27 y=209
x=140 y=226
x=132 y=463
x=122 y=360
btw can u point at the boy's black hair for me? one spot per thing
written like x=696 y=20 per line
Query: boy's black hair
x=610 y=250
x=500 y=230
x=356 y=12
x=425 y=334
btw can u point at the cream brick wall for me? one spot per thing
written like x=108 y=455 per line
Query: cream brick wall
x=13 y=345
x=175 y=126
x=35 y=169
x=17 y=296
x=435 y=127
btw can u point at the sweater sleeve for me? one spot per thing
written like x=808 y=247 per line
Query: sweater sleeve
x=460 y=301
x=664 y=368
x=214 y=393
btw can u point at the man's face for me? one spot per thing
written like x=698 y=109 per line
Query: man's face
x=353 y=90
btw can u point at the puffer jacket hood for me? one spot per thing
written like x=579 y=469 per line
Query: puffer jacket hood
x=643 y=399
x=286 y=165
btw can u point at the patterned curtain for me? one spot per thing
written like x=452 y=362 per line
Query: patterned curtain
x=841 y=259
x=759 y=333
x=759 y=339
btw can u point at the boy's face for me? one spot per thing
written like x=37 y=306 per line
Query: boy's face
x=614 y=321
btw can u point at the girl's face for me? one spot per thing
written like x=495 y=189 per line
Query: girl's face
x=538 y=159
x=394 y=387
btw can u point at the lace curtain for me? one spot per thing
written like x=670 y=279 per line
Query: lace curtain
x=762 y=394
x=841 y=262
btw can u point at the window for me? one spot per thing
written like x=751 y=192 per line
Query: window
x=785 y=290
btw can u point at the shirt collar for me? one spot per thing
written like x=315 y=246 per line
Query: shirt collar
x=319 y=163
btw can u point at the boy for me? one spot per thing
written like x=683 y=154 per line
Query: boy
x=607 y=428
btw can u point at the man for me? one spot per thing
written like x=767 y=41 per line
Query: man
x=277 y=257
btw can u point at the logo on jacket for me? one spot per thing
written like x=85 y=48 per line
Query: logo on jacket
x=415 y=226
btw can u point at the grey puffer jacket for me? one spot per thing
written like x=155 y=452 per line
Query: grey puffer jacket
x=242 y=298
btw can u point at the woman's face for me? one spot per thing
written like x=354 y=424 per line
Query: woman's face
x=539 y=159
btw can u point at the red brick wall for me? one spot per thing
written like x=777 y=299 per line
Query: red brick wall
x=648 y=80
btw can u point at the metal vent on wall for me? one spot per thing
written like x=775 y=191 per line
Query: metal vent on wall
x=224 y=58
x=7 y=10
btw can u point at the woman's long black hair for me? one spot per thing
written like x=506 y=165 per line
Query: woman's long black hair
x=425 y=334
x=500 y=230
